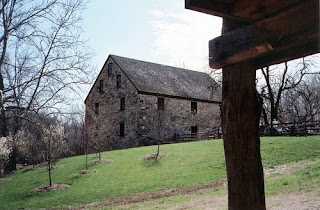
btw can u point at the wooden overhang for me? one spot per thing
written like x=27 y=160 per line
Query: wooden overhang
x=274 y=31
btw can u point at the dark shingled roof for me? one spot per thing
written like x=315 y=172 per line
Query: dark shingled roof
x=167 y=80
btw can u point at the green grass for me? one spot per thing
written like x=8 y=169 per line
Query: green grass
x=305 y=180
x=281 y=150
x=187 y=164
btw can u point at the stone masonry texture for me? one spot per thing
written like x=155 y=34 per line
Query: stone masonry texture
x=144 y=124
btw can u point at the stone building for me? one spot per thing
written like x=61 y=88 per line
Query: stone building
x=134 y=103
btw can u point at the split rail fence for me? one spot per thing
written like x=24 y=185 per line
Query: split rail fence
x=281 y=129
x=291 y=129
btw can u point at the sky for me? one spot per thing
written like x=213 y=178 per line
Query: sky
x=160 y=31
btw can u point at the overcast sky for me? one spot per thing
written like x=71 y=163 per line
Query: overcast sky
x=160 y=31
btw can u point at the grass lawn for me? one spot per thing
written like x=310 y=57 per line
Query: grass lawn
x=187 y=164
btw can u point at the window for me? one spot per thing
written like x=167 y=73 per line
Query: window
x=110 y=69
x=121 y=129
x=194 y=129
x=118 y=81
x=122 y=103
x=101 y=86
x=160 y=103
x=96 y=108
x=194 y=107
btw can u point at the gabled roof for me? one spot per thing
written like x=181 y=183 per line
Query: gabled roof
x=158 y=79
x=167 y=80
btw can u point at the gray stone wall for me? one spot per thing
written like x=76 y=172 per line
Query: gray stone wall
x=144 y=124
x=103 y=129
x=176 y=118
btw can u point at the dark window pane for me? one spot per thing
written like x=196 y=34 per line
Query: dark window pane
x=122 y=104
x=118 y=81
x=194 y=107
x=194 y=129
x=121 y=129
x=160 y=103
x=109 y=69
x=101 y=86
x=96 y=108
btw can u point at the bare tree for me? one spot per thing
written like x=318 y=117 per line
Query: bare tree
x=216 y=84
x=310 y=98
x=53 y=146
x=75 y=136
x=28 y=141
x=5 y=151
x=43 y=58
x=95 y=132
x=16 y=20
x=277 y=82
x=303 y=101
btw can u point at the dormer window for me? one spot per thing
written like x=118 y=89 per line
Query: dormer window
x=110 y=65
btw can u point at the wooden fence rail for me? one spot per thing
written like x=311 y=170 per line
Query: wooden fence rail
x=281 y=129
x=291 y=129
x=215 y=134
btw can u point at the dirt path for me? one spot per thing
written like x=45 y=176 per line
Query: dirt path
x=138 y=198
x=289 y=201
x=280 y=202
x=293 y=201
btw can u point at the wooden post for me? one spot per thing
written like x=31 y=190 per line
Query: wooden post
x=240 y=124
x=258 y=35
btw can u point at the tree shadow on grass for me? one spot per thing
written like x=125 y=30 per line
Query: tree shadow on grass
x=100 y=162
x=54 y=187
x=151 y=162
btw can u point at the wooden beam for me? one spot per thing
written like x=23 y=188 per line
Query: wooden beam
x=217 y=8
x=236 y=46
x=269 y=37
x=245 y=10
x=260 y=9
x=288 y=54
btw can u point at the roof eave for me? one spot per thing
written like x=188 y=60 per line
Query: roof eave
x=179 y=97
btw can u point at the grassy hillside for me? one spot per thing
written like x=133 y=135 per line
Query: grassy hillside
x=187 y=164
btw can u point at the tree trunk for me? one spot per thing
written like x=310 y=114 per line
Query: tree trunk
x=86 y=161
x=49 y=161
x=3 y=122
x=12 y=163
x=158 y=150
x=49 y=170
x=240 y=122
x=3 y=119
x=265 y=116
x=240 y=115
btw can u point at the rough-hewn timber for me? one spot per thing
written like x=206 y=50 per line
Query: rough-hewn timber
x=240 y=123
x=244 y=10
x=281 y=31
x=274 y=37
